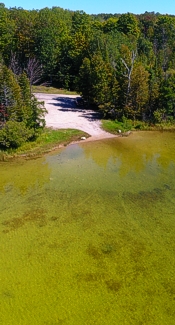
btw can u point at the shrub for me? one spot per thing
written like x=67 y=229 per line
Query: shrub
x=159 y=115
x=14 y=134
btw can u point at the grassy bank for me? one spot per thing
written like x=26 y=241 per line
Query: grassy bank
x=47 y=141
x=115 y=127
x=49 y=138
x=52 y=90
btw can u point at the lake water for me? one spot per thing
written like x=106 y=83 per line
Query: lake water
x=87 y=234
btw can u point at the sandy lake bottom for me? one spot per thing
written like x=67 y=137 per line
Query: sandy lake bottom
x=88 y=234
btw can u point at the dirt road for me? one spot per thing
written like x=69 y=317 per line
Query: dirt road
x=63 y=114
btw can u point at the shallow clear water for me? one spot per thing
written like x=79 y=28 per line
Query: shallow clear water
x=87 y=234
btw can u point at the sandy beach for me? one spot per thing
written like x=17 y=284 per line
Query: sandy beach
x=63 y=113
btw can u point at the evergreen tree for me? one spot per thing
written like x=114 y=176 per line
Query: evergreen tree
x=21 y=115
x=167 y=94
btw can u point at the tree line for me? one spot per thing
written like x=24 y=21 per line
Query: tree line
x=124 y=64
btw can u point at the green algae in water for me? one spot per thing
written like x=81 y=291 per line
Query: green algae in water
x=88 y=235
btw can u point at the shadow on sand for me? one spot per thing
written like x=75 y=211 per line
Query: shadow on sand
x=66 y=104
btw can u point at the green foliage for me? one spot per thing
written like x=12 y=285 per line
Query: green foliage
x=47 y=35
x=14 y=134
x=128 y=24
x=47 y=140
x=84 y=81
x=159 y=115
x=38 y=112
x=10 y=94
x=168 y=93
x=120 y=63
x=25 y=89
x=7 y=31
x=52 y=90
x=124 y=126
x=117 y=126
x=110 y=25
x=138 y=95
x=21 y=115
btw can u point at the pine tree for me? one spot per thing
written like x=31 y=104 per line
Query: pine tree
x=10 y=94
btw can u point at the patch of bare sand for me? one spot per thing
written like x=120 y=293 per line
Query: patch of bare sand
x=64 y=114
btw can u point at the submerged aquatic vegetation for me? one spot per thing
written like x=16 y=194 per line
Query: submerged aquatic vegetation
x=87 y=238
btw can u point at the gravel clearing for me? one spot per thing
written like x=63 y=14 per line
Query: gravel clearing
x=64 y=114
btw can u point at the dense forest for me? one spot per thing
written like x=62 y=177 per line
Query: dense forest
x=122 y=64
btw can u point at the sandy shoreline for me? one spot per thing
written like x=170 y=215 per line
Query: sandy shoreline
x=64 y=114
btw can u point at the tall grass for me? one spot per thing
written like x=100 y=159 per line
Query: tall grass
x=52 y=90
